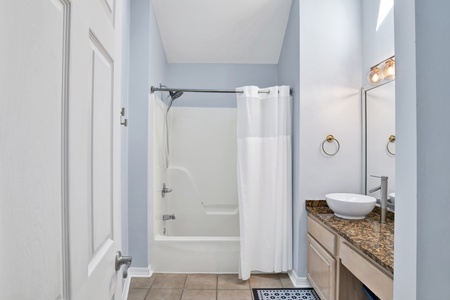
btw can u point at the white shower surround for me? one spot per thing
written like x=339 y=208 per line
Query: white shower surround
x=204 y=237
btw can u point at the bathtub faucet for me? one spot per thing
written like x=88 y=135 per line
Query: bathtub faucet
x=169 y=217
x=165 y=190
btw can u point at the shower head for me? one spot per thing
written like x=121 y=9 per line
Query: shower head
x=175 y=95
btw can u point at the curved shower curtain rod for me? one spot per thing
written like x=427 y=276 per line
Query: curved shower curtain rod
x=166 y=89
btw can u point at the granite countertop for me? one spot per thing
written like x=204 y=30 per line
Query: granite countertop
x=374 y=239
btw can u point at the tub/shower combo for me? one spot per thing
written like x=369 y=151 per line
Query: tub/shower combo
x=200 y=230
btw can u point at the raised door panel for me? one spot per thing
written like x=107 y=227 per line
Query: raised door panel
x=321 y=270
x=101 y=141
x=94 y=153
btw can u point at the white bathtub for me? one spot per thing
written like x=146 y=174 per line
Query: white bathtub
x=204 y=237
x=181 y=254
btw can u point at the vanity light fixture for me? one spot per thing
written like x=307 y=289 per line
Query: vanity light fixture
x=382 y=70
x=389 y=68
x=375 y=75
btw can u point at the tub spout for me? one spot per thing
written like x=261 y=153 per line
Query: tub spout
x=168 y=217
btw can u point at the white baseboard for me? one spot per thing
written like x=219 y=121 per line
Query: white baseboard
x=135 y=272
x=140 y=272
x=299 y=282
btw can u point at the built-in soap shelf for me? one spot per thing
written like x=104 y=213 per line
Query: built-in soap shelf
x=220 y=208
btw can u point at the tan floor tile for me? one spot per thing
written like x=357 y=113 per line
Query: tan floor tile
x=231 y=282
x=199 y=295
x=285 y=280
x=170 y=281
x=201 y=282
x=203 y=286
x=164 y=294
x=137 y=294
x=141 y=282
x=234 y=295
x=265 y=281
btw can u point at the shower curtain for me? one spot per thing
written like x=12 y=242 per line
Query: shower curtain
x=264 y=180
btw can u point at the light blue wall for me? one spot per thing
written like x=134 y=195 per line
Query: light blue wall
x=289 y=74
x=124 y=102
x=137 y=176
x=422 y=238
x=157 y=67
x=433 y=163
x=157 y=62
x=147 y=64
x=405 y=276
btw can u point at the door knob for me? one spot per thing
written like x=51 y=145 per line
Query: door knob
x=123 y=260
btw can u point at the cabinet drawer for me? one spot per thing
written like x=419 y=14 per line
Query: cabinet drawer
x=321 y=270
x=325 y=237
x=374 y=278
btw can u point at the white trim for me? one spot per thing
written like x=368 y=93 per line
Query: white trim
x=126 y=288
x=298 y=282
x=65 y=151
x=140 y=272
x=135 y=272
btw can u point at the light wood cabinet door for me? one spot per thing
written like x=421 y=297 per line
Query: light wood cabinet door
x=321 y=270
x=325 y=238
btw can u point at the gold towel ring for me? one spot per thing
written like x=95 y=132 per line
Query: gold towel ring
x=330 y=138
x=391 y=140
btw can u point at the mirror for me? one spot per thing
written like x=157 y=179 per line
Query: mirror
x=379 y=137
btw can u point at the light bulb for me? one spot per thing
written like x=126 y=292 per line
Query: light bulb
x=375 y=76
x=389 y=69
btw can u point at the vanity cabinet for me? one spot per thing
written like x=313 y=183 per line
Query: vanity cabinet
x=366 y=271
x=337 y=270
x=321 y=266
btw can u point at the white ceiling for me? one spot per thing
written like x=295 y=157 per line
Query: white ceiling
x=222 y=31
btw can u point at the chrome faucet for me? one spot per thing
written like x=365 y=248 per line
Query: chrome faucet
x=383 y=201
x=169 y=217
x=165 y=190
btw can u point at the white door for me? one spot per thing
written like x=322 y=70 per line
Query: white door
x=32 y=99
x=60 y=149
x=94 y=149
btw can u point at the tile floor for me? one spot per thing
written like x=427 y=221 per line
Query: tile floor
x=202 y=286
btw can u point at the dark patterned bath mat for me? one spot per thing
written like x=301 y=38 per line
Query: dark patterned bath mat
x=285 y=294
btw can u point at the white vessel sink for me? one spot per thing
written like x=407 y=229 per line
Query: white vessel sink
x=392 y=197
x=350 y=206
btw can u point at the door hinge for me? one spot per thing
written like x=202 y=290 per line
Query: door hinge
x=123 y=120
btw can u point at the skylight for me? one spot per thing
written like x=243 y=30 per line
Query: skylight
x=385 y=8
